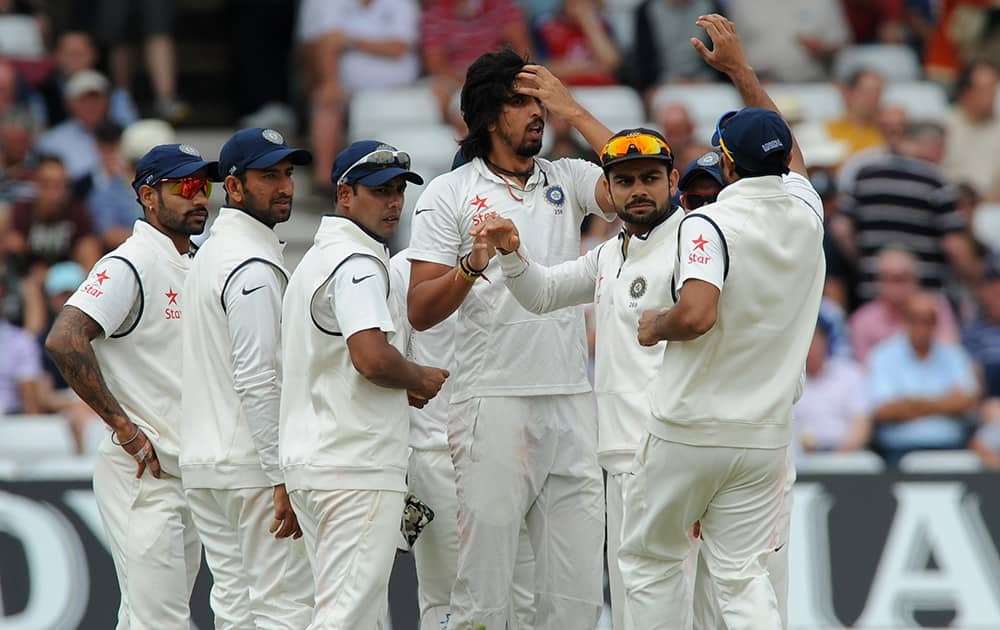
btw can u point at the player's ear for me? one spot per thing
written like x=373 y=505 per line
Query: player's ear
x=147 y=197
x=234 y=188
x=675 y=177
x=344 y=194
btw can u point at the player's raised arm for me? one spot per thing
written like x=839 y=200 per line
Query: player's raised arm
x=727 y=56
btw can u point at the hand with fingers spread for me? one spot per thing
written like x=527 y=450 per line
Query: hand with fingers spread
x=285 y=522
x=501 y=233
x=538 y=82
x=136 y=444
x=727 y=54
x=481 y=254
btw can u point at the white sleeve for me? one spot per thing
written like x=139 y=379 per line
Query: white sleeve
x=358 y=295
x=543 y=289
x=802 y=189
x=110 y=295
x=253 y=310
x=701 y=252
x=435 y=233
x=584 y=176
x=399 y=283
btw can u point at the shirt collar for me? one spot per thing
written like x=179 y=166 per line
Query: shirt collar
x=537 y=175
x=146 y=230
x=371 y=234
x=247 y=222
x=764 y=186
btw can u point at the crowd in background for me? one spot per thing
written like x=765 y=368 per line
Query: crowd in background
x=907 y=349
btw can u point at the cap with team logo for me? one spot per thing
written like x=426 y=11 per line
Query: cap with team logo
x=169 y=161
x=258 y=148
x=708 y=164
x=757 y=140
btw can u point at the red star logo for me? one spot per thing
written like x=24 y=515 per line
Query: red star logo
x=479 y=202
x=171 y=295
x=699 y=243
x=101 y=277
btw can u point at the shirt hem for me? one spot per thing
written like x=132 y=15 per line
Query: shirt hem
x=320 y=477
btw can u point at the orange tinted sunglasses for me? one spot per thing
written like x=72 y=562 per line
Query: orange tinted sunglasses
x=189 y=187
x=640 y=143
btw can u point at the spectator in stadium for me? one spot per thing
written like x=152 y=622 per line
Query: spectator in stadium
x=575 y=44
x=832 y=414
x=884 y=317
x=701 y=181
x=53 y=228
x=353 y=45
x=8 y=86
x=920 y=387
x=112 y=199
x=969 y=264
x=862 y=93
x=876 y=21
x=17 y=183
x=675 y=121
x=663 y=53
x=73 y=139
x=565 y=143
x=454 y=33
x=116 y=22
x=20 y=366
x=982 y=337
x=974 y=130
x=800 y=49
x=904 y=198
x=75 y=51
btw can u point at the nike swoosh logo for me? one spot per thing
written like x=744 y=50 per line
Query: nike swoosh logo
x=356 y=279
x=248 y=292
x=424 y=210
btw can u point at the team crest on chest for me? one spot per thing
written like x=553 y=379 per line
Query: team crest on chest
x=638 y=288
x=555 y=196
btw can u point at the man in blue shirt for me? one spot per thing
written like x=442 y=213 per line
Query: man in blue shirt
x=920 y=387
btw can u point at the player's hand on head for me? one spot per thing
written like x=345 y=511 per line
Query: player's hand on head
x=285 y=522
x=538 y=82
x=727 y=54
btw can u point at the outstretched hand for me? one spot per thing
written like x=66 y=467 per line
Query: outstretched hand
x=727 y=54
x=499 y=233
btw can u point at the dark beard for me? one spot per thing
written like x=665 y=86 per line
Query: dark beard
x=528 y=149
x=651 y=219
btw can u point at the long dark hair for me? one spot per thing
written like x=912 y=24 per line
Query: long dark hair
x=489 y=84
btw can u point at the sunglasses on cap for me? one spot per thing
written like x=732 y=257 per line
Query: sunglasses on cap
x=380 y=158
x=694 y=200
x=635 y=144
x=719 y=126
x=188 y=187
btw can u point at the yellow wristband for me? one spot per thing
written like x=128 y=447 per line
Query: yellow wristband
x=462 y=273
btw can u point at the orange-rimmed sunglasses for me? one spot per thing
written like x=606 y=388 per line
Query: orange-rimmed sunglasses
x=189 y=187
x=635 y=143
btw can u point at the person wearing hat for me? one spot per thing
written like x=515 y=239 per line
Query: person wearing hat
x=232 y=387
x=73 y=140
x=518 y=376
x=701 y=181
x=115 y=344
x=748 y=283
x=344 y=422
x=622 y=277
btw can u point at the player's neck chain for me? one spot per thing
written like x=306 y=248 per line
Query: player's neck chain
x=505 y=173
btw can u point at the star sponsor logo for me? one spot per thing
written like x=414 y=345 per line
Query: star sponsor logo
x=102 y=276
x=699 y=245
x=700 y=242
x=479 y=202
x=171 y=313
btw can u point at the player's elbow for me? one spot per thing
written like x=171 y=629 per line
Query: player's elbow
x=57 y=341
x=698 y=322
x=371 y=365
x=419 y=317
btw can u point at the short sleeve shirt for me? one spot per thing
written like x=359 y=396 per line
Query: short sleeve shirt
x=110 y=296
x=354 y=299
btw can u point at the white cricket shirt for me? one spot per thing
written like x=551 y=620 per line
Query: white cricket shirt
x=501 y=349
x=135 y=293
x=623 y=276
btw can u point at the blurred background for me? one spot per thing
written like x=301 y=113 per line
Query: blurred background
x=894 y=103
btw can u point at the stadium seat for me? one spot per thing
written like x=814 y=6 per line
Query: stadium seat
x=986 y=222
x=71 y=468
x=432 y=146
x=371 y=113
x=8 y=469
x=813 y=101
x=893 y=62
x=618 y=107
x=937 y=462
x=705 y=102
x=31 y=438
x=855 y=462
x=922 y=100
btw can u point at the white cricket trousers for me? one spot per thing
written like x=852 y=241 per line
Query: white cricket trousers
x=431 y=478
x=259 y=581
x=527 y=459
x=737 y=494
x=707 y=615
x=152 y=538
x=351 y=538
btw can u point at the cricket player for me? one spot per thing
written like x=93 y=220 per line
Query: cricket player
x=232 y=386
x=622 y=277
x=115 y=343
x=748 y=282
x=344 y=422
x=521 y=423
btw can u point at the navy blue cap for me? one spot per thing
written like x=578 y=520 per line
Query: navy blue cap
x=369 y=174
x=169 y=161
x=708 y=164
x=257 y=148
x=758 y=140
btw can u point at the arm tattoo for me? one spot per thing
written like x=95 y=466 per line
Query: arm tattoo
x=69 y=346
